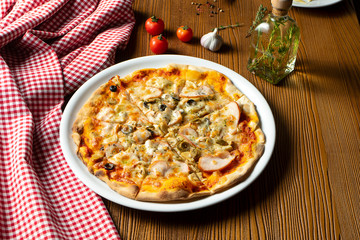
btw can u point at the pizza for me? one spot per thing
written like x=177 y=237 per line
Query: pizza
x=175 y=133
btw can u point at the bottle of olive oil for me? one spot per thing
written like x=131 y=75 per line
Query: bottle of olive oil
x=274 y=44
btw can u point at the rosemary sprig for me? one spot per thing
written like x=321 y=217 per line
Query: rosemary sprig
x=259 y=16
x=229 y=26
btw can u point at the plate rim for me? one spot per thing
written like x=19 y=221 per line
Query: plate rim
x=102 y=189
x=308 y=5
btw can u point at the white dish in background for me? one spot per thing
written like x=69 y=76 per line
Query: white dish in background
x=267 y=124
x=314 y=3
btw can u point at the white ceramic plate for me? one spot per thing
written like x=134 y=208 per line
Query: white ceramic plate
x=124 y=68
x=314 y=3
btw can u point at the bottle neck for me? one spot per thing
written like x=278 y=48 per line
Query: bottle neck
x=274 y=17
x=279 y=12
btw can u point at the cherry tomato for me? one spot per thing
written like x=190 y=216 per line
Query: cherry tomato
x=184 y=33
x=158 y=44
x=154 y=25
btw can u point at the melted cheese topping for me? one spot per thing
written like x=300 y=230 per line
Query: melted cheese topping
x=125 y=128
x=125 y=159
x=159 y=82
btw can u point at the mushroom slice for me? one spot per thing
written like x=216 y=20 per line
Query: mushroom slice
x=176 y=117
x=141 y=135
x=112 y=149
x=205 y=91
x=148 y=93
x=151 y=116
x=219 y=161
x=192 y=91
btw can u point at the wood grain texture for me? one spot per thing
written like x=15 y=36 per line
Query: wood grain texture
x=311 y=187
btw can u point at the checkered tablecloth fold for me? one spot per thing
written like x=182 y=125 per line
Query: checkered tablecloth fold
x=48 y=49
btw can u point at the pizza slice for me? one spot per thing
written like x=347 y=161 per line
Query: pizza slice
x=109 y=103
x=110 y=121
x=124 y=172
x=223 y=146
x=102 y=150
x=109 y=124
x=147 y=172
x=220 y=83
x=205 y=91
x=129 y=172
x=168 y=178
x=156 y=93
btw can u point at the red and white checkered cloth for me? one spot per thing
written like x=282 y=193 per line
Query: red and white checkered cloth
x=48 y=48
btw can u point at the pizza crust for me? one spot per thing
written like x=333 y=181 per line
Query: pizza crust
x=174 y=195
x=163 y=196
x=127 y=190
x=181 y=67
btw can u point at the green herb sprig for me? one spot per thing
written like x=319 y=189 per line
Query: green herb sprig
x=229 y=26
x=259 y=16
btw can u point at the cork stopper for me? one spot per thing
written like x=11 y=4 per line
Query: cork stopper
x=281 y=7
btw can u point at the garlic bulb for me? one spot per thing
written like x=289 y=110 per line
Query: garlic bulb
x=263 y=27
x=212 y=41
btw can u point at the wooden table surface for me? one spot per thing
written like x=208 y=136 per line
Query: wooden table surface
x=311 y=186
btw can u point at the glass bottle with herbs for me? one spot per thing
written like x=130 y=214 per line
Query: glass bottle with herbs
x=274 y=44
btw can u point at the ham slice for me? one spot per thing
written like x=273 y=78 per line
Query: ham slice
x=182 y=167
x=232 y=111
x=219 y=161
x=187 y=131
x=164 y=169
x=230 y=114
x=188 y=134
x=159 y=168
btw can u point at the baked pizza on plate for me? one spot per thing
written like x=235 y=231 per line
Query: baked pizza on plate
x=174 y=133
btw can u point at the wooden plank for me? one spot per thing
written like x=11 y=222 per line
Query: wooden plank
x=310 y=189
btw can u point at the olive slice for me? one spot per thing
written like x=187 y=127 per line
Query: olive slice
x=176 y=98
x=222 y=142
x=207 y=121
x=197 y=120
x=126 y=129
x=162 y=107
x=109 y=166
x=151 y=130
x=183 y=146
x=113 y=88
x=146 y=104
x=191 y=102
